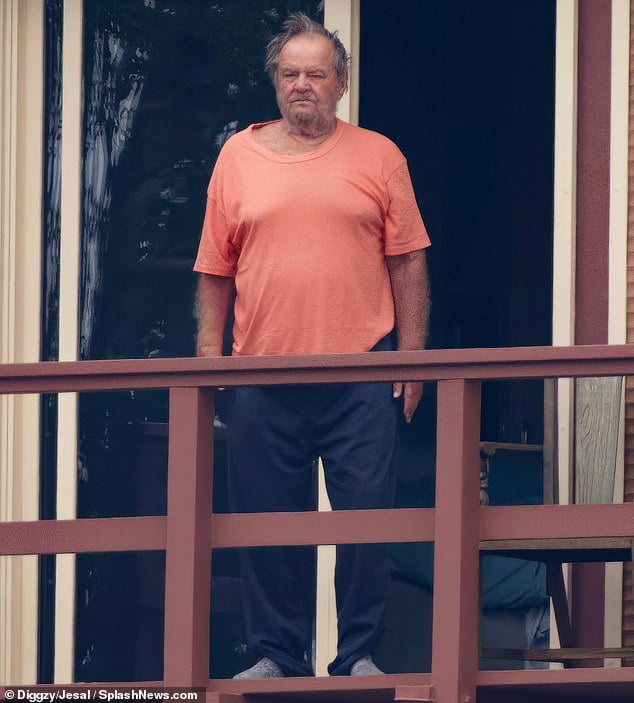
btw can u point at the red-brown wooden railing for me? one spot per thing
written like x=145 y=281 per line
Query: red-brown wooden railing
x=457 y=524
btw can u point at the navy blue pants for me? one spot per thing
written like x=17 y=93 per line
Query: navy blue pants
x=275 y=436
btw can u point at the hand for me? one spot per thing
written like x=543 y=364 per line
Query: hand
x=203 y=349
x=411 y=391
x=209 y=350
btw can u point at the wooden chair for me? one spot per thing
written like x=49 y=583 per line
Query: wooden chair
x=598 y=413
x=554 y=553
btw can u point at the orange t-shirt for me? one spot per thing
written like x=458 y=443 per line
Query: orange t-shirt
x=306 y=236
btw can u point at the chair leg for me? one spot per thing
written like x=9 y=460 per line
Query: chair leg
x=557 y=591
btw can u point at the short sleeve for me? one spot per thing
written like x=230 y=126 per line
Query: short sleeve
x=404 y=227
x=217 y=253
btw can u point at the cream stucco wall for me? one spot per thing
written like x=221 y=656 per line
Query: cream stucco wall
x=21 y=110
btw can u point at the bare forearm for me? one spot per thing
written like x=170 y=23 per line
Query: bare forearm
x=215 y=295
x=410 y=289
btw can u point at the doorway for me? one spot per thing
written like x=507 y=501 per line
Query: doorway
x=466 y=90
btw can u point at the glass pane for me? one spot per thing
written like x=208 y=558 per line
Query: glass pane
x=51 y=229
x=477 y=130
x=165 y=84
x=120 y=636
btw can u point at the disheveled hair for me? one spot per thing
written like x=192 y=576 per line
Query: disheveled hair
x=299 y=23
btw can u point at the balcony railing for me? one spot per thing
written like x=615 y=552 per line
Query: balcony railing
x=457 y=524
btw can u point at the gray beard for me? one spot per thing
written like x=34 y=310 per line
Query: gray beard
x=311 y=124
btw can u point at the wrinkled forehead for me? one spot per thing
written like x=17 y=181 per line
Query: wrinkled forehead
x=307 y=51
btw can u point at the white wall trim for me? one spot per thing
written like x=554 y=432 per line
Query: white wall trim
x=30 y=155
x=345 y=17
x=565 y=175
x=564 y=218
x=8 y=185
x=617 y=318
x=619 y=137
x=72 y=81
x=8 y=168
x=564 y=228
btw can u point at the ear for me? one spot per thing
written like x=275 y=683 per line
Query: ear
x=342 y=87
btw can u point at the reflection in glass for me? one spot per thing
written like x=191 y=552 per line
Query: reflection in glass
x=50 y=321
x=122 y=619
x=165 y=84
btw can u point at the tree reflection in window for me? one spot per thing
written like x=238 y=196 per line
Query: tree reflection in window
x=165 y=83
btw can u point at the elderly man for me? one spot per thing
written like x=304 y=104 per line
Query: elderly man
x=312 y=233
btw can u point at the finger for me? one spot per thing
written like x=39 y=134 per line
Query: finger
x=397 y=389
x=413 y=393
x=408 y=410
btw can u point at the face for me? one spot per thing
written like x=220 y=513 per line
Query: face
x=307 y=85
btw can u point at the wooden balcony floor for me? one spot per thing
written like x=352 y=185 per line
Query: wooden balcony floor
x=589 y=685
x=374 y=689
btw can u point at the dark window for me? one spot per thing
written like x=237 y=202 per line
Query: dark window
x=165 y=83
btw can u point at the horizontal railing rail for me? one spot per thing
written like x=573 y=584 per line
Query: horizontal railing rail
x=145 y=533
x=431 y=365
x=457 y=524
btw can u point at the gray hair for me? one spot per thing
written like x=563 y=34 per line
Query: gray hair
x=299 y=23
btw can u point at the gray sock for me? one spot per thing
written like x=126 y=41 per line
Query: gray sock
x=365 y=667
x=264 y=669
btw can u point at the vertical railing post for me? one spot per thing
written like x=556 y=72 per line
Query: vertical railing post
x=456 y=549
x=188 y=548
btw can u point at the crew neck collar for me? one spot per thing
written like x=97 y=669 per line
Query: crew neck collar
x=322 y=149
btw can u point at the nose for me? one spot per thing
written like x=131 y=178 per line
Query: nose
x=301 y=82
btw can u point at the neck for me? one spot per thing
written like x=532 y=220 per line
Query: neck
x=311 y=132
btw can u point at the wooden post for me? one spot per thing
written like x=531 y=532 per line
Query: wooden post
x=188 y=550
x=592 y=253
x=456 y=549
